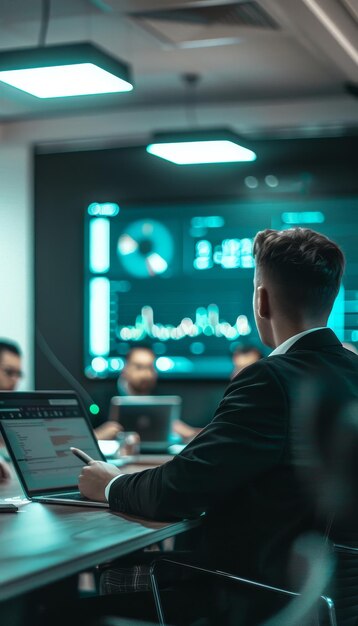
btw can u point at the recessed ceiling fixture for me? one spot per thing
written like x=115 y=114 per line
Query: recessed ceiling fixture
x=194 y=147
x=64 y=70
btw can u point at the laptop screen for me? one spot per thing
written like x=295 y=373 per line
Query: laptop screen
x=150 y=416
x=39 y=429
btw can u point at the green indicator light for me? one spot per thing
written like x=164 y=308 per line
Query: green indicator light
x=94 y=409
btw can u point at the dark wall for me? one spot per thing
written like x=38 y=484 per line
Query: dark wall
x=66 y=183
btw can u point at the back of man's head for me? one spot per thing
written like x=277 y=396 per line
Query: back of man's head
x=303 y=267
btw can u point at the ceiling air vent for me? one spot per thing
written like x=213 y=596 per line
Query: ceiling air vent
x=240 y=14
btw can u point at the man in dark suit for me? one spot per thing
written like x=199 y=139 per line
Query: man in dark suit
x=240 y=470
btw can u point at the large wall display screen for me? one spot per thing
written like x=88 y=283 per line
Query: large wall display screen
x=180 y=278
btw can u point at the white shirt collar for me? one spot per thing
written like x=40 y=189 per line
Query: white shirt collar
x=286 y=345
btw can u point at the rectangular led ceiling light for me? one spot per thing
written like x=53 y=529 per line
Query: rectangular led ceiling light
x=64 y=70
x=190 y=148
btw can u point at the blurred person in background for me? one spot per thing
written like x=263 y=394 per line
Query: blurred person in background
x=139 y=376
x=10 y=365
x=10 y=375
x=243 y=356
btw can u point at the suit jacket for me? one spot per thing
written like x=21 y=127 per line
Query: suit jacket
x=240 y=470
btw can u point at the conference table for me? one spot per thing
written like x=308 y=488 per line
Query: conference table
x=45 y=543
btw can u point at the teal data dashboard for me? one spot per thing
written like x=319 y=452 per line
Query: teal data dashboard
x=179 y=278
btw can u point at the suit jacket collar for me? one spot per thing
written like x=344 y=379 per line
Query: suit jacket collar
x=316 y=340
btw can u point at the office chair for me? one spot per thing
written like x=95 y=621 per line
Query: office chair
x=298 y=609
x=345 y=584
x=329 y=596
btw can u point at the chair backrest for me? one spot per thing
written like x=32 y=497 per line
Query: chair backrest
x=345 y=583
x=298 y=610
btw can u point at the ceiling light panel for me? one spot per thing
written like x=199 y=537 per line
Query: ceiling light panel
x=63 y=71
x=192 y=148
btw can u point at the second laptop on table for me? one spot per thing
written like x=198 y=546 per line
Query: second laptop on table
x=151 y=417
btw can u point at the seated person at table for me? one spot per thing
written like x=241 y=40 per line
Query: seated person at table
x=10 y=374
x=139 y=378
x=10 y=365
x=241 y=469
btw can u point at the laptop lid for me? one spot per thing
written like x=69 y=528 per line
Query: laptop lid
x=150 y=416
x=38 y=428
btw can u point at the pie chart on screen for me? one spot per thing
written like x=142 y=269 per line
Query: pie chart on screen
x=145 y=249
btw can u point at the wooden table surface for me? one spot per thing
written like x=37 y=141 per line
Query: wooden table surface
x=43 y=543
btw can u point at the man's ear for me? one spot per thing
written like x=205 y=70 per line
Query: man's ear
x=263 y=303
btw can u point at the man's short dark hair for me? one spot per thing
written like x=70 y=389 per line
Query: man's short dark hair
x=9 y=346
x=304 y=267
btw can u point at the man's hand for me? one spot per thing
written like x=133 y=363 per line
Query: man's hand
x=94 y=478
x=108 y=430
x=5 y=473
x=185 y=431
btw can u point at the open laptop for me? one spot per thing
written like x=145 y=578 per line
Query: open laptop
x=38 y=428
x=150 y=416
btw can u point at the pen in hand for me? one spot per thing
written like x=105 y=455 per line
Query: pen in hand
x=81 y=455
x=94 y=477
